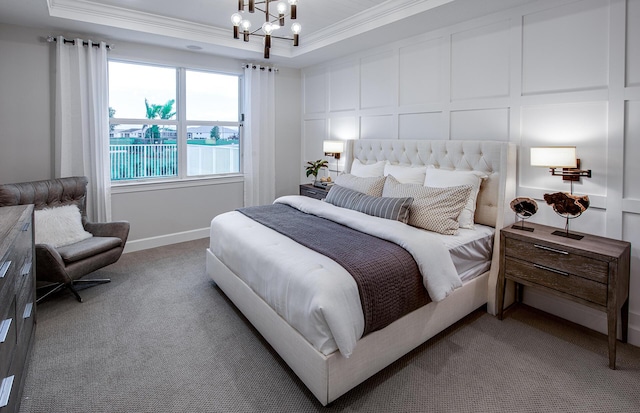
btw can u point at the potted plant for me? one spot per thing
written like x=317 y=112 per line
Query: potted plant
x=314 y=167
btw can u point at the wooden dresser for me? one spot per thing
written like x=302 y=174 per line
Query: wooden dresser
x=17 y=301
x=593 y=271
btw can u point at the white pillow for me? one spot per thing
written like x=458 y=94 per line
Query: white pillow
x=406 y=174
x=442 y=178
x=59 y=226
x=367 y=170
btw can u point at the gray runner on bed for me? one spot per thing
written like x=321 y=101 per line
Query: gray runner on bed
x=389 y=281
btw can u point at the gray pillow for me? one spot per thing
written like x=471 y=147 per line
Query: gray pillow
x=389 y=208
x=343 y=197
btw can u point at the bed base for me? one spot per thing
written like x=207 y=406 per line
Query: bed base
x=329 y=377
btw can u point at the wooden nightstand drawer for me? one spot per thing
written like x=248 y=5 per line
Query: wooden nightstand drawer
x=313 y=192
x=554 y=279
x=559 y=258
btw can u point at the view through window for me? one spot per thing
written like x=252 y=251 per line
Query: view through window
x=156 y=133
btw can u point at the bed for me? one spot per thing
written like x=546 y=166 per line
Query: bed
x=328 y=363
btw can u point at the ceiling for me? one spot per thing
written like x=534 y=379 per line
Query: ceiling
x=330 y=28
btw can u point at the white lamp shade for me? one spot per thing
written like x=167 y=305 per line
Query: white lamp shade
x=554 y=156
x=333 y=146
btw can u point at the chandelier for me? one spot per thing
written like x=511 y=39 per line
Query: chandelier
x=274 y=15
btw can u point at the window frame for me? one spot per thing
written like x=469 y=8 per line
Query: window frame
x=181 y=124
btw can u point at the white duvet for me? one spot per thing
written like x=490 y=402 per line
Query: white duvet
x=311 y=292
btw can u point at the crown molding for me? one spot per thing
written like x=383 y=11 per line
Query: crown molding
x=119 y=17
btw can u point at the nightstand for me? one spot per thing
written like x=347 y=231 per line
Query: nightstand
x=593 y=271
x=313 y=191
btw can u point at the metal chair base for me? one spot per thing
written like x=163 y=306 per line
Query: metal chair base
x=71 y=287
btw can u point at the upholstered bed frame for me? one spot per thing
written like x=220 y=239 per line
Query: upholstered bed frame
x=329 y=377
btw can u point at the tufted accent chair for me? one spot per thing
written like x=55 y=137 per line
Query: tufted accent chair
x=64 y=266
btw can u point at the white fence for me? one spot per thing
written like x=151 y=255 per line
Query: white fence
x=160 y=160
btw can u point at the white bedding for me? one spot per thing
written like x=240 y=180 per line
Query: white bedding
x=303 y=285
x=470 y=250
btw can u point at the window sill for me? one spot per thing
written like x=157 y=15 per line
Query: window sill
x=173 y=183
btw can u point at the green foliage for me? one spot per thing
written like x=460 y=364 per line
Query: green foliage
x=215 y=133
x=112 y=112
x=154 y=111
x=314 y=167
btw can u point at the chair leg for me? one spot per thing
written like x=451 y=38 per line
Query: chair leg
x=55 y=288
x=87 y=283
x=71 y=287
x=74 y=291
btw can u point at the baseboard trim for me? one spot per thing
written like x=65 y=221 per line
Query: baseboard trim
x=162 y=240
x=579 y=314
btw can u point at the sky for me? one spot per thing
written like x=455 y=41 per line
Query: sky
x=210 y=96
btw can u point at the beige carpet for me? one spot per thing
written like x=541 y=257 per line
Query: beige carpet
x=161 y=337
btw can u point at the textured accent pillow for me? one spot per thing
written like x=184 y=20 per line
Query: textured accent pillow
x=343 y=197
x=406 y=174
x=396 y=209
x=370 y=186
x=367 y=170
x=59 y=226
x=441 y=178
x=434 y=209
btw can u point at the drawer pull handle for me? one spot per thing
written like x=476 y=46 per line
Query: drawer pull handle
x=542 y=247
x=4 y=268
x=25 y=226
x=27 y=311
x=4 y=329
x=5 y=390
x=26 y=268
x=312 y=192
x=542 y=267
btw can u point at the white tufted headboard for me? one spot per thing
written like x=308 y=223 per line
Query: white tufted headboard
x=496 y=159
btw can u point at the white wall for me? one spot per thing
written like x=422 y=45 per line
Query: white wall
x=26 y=105
x=159 y=213
x=557 y=72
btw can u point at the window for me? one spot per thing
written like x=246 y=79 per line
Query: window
x=155 y=131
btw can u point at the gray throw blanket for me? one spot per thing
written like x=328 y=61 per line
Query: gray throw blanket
x=389 y=281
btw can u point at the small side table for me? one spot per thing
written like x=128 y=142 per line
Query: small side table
x=313 y=191
x=593 y=271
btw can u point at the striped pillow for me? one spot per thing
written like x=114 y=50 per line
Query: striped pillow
x=389 y=208
x=343 y=197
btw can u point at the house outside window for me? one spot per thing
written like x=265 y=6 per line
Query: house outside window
x=172 y=122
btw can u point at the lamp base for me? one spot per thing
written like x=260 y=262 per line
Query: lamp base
x=567 y=235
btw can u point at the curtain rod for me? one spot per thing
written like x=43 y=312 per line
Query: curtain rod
x=84 y=43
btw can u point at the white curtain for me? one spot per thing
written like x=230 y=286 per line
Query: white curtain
x=82 y=121
x=259 y=135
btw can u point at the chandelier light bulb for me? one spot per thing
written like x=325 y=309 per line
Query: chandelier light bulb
x=296 y=28
x=236 y=19
x=245 y=24
x=267 y=28
x=282 y=7
x=293 y=2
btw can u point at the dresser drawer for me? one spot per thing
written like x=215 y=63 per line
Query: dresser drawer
x=567 y=283
x=8 y=337
x=559 y=259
